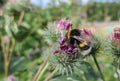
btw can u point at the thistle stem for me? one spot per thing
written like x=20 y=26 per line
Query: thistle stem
x=42 y=72
x=36 y=77
x=52 y=74
x=98 y=67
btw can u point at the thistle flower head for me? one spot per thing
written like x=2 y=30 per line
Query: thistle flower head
x=72 y=46
x=64 y=24
x=115 y=37
x=114 y=43
x=116 y=33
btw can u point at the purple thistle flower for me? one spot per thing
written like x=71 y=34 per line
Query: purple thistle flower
x=57 y=51
x=70 y=49
x=65 y=47
x=64 y=24
x=116 y=33
x=62 y=40
x=115 y=37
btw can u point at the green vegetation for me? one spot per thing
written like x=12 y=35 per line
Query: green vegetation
x=25 y=44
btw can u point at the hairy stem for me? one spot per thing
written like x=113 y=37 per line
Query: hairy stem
x=52 y=74
x=35 y=78
x=43 y=70
x=98 y=67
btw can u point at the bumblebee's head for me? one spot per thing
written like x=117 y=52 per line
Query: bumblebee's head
x=70 y=35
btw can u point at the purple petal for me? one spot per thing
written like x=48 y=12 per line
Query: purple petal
x=64 y=24
x=63 y=40
x=57 y=51
x=87 y=32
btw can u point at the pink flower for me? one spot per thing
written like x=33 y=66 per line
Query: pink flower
x=117 y=33
x=64 y=24
x=65 y=47
x=115 y=37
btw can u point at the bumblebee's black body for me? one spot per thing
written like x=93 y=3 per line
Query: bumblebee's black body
x=75 y=32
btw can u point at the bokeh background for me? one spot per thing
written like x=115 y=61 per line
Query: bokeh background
x=23 y=25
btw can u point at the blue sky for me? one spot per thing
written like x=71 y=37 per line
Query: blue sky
x=44 y=3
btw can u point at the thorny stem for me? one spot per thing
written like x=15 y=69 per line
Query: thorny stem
x=98 y=67
x=36 y=77
x=52 y=74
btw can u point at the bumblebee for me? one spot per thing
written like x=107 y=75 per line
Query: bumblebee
x=75 y=36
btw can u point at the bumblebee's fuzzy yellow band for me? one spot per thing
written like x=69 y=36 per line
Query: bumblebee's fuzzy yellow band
x=82 y=44
x=68 y=34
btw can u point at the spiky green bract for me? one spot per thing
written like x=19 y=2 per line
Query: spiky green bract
x=52 y=34
x=115 y=51
x=97 y=42
x=65 y=63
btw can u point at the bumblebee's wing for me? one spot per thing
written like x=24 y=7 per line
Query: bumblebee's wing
x=78 y=38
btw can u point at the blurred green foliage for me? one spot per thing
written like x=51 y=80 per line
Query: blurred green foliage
x=29 y=36
x=100 y=11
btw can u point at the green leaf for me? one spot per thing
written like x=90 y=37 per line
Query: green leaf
x=72 y=77
x=10 y=26
x=18 y=64
x=22 y=34
x=88 y=70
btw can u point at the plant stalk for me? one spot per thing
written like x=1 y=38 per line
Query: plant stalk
x=42 y=72
x=35 y=78
x=52 y=74
x=98 y=67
